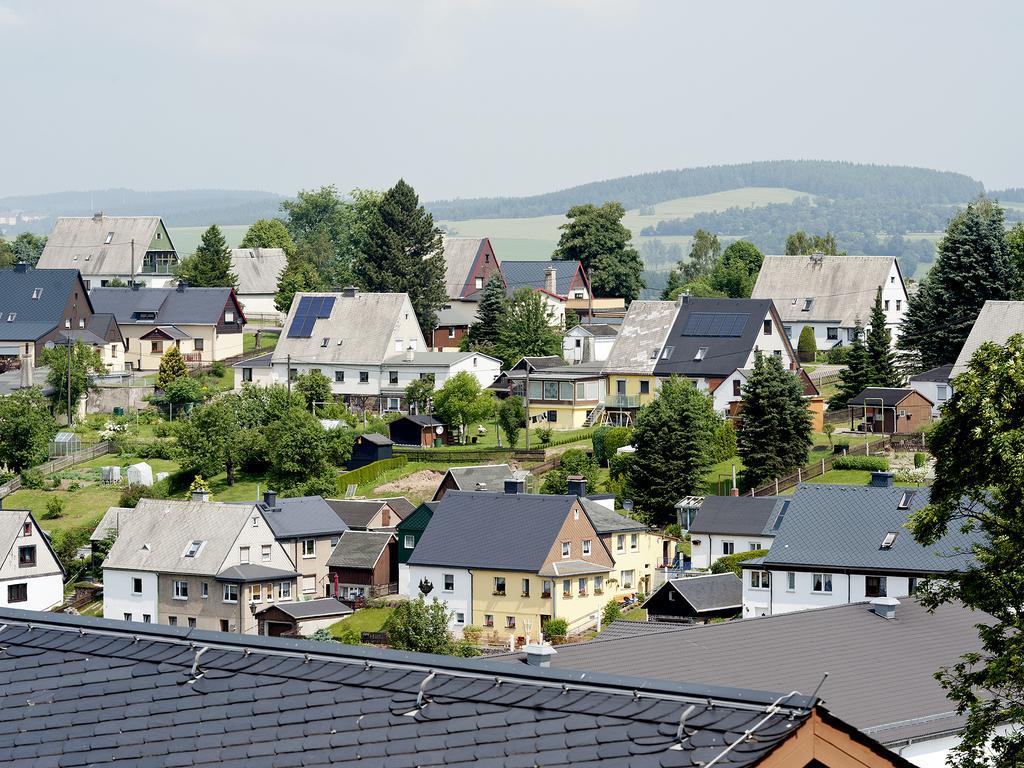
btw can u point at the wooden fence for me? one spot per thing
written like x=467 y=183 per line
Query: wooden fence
x=817 y=469
x=56 y=465
x=455 y=456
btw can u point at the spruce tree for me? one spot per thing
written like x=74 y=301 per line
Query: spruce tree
x=210 y=265
x=172 y=366
x=525 y=329
x=857 y=374
x=403 y=253
x=775 y=426
x=483 y=334
x=881 y=358
x=972 y=267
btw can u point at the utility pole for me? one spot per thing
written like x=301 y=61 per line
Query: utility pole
x=288 y=375
x=527 y=400
x=68 y=340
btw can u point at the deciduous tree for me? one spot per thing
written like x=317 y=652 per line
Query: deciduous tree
x=85 y=364
x=208 y=439
x=298 y=452
x=573 y=462
x=210 y=265
x=26 y=429
x=419 y=625
x=315 y=389
x=28 y=248
x=269 y=233
x=511 y=418
x=418 y=393
x=802 y=244
x=526 y=329
x=597 y=238
x=462 y=401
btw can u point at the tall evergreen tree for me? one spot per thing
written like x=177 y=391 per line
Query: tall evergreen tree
x=881 y=358
x=775 y=426
x=596 y=237
x=857 y=374
x=1015 y=253
x=673 y=435
x=483 y=334
x=210 y=265
x=403 y=253
x=971 y=268
x=525 y=329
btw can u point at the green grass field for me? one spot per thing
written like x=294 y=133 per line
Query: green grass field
x=186 y=239
x=363 y=620
x=267 y=342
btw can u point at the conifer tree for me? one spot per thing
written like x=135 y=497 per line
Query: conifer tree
x=210 y=265
x=172 y=366
x=483 y=334
x=857 y=375
x=775 y=425
x=525 y=329
x=403 y=253
x=881 y=358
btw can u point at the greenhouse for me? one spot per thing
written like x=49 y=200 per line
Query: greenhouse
x=64 y=444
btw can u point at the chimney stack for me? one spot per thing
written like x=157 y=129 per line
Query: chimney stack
x=98 y=216
x=200 y=495
x=21 y=266
x=514 y=485
x=551 y=280
x=349 y=291
x=480 y=487
x=881 y=479
x=885 y=607
x=577 y=485
x=270 y=499
x=410 y=355
x=539 y=654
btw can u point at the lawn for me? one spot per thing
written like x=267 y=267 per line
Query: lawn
x=634 y=614
x=267 y=342
x=363 y=620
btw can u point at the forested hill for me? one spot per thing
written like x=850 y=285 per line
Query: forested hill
x=817 y=177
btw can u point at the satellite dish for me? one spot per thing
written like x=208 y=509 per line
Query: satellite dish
x=439 y=429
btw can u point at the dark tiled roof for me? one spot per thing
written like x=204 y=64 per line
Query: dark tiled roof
x=881 y=671
x=191 y=306
x=708 y=593
x=311 y=609
x=532 y=274
x=81 y=691
x=35 y=317
x=303 y=516
x=890 y=397
x=401 y=505
x=742 y=515
x=940 y=374
x=608 y=520
x=260 y=361
x=493 y=477
x=376 y=439
x=356 y=513
x=480 y=529
x=423 y=421
x=359 y=549
x=253 y=572
x=843 y=526
x=622 y=629
x=724 y=353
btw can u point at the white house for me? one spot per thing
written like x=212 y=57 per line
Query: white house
x=31 y=576
x=934 y=385
x=258 y=271
x=829 y=293
x=997 y=322
x=369 y=345
x=729 y=392
x=837 y=544
x=729 y=525
x=589 y=343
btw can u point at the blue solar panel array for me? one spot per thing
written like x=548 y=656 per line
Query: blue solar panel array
x=310 y=309
x=715 y=324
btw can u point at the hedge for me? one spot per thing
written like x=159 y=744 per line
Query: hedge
x=731 y=563
x=371 y=471
x=866 y=463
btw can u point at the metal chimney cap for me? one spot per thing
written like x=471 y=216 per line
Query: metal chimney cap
x=539 y=654
x=885 y=607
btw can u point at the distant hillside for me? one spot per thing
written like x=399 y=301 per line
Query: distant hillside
x=179 y=208
x=816 y=177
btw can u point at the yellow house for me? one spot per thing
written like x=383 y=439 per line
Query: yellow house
x=560 y=396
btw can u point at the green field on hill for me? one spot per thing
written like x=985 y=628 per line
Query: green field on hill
x=186 y=239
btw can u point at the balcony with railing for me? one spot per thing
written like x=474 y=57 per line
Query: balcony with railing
x=620 y=402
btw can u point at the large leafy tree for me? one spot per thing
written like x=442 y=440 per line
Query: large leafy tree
x=462 y=401
x=298 y=276
x=85 y=362
x=572 y=462
x=673 y=437
x=210 y=265
x=269 y=233
x=26 y=428
x=972 y=267
x=6 y=254
x=418 y=625
x=299 y=454
x=979 y=486
x=694 y=275
x=526 y=329
x=881 y=357
x=208 y=439
x=511 y=418
x=857 y=373
x=315 y=389
x=28 y=248
x=596 y=237
x=483 y=334
x=775 y=426
x=403 y=253
x=736 y=272
x=802 y=244
x=418 y=393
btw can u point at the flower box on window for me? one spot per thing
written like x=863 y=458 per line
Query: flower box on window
x=598 y=591
x=498 y=593
x=545 y=594
x=567 y=596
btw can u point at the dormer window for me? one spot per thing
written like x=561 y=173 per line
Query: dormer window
x=229 y=317
x=109 y=238
x=889 y=540
x=11 y=316
x=37 y=292
x=701 y=353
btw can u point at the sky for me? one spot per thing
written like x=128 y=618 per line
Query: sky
x=467 y=98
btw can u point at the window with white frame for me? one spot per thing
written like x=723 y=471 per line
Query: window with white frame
x=728 y=547
x=599 y=585
x=284 y=590
x=586 y=546
x=410 y=541
x=634 y=542
x=499 y=585
x=180 y=590
x=308 y=585
x=265 y=553
x=620 y=543
x=478 y=283
x=193 y=548
x=204 y=590
x=256 y=593
x=753 y=546
x=566 y=587
x=526 y=587
x=460 y=618
x=760 y=579
x=243 y=554
x=581 y=586
x=309 y=548
x=566 y=549
x=821 y=582
x=510 y=622
x=136 y=586
x=790 y=581
x=230 y=593
x=627 y=579
x=449 y=582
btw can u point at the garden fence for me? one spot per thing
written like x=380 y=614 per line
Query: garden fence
x=56 y=465
x=817 y=469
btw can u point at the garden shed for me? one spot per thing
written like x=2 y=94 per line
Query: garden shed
x=420 y=431
x=65 y=444
x=369 y=448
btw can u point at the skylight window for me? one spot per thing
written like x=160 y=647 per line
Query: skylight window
x=654 y=354
x=325 y=342
x=807 y=305
x=37 y=292
x=667 y=353
x=88 y=256
x=193 y=548
x=11 y=316
x=701 y=353
x=904 y=501
x=889 y=539
x=109 y=239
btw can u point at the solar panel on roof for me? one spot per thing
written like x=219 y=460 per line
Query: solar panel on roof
x=310 y=309
x=327 y=307
x=715 y=324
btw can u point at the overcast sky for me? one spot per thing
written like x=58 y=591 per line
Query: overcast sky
x=470 y=98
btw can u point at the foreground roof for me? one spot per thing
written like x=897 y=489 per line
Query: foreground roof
x=533 y=274
x=492 y=476
x=740 y=515
x=841 y=288
x=641 y=337
x=715 y=592
x=881 y=672
x=941 y=374
x=357 y=513
x=310 y=609
x=258 y=269
x=303 y=516
x=80 y=242
x=997 y=322
x=77 y=690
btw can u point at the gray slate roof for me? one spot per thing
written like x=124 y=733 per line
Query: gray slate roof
x=724 y=353
x=34 y=318
x=842 y=287
x=641 y=337
x=602 y=330
x=997 y=322
x=493 y=477
x=531 y=274
x=608 y=520
x=941 y=374
x=76 y=691
x=842 y=526
x=311 y=609
x=73 y=239
x=303 y=516
x=480 y=529
x=715 y=592
x=258 y=269
x=113 y=520
x=890 y=396
x=741 y=515
x=254 y=572
x=191 y=306
x=357 y=513
x=881 y=671
x=459 y=255
x=359 y=549
x=401 y=505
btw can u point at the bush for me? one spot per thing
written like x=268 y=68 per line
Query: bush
x=837 y=356
x=33 y=478
x=165 y=428
x=731 y=563
x=598 y=440
x=131 y=495
x=611 y=613
x=218 y=369
x=723 y=442
x=555 y=630
x=54 y=508
x=920 y=460
x=472 y=634
x=371 y=471
x=866 y=463
x=544 y=435
x=618 y=466
x=74 y=485
x=807 y=347
x=673 y=530
x=616 y=438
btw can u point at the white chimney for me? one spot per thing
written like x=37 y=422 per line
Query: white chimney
x=410 y=355
x=885 y=607
x=550 y=280
x=200 y=495
x=26 y=371
x=539 y=654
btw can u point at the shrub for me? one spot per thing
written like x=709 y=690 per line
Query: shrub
x=611 y=612
x=837 y=356
x=555 y=630
x=164 y=428
x=544 y=435
x=131 y=495
x=616 y=438
x=598 y=440
x=74 y=485
x=731 y=563
x=218 y=369
x=920 y=460
x=33 y=478
x=910 y=476
x=866 y=463
x=673 y=530
x=807 y=347
x=723 y=442
x=618 y=465
x=54 y=508
x=472 y=634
